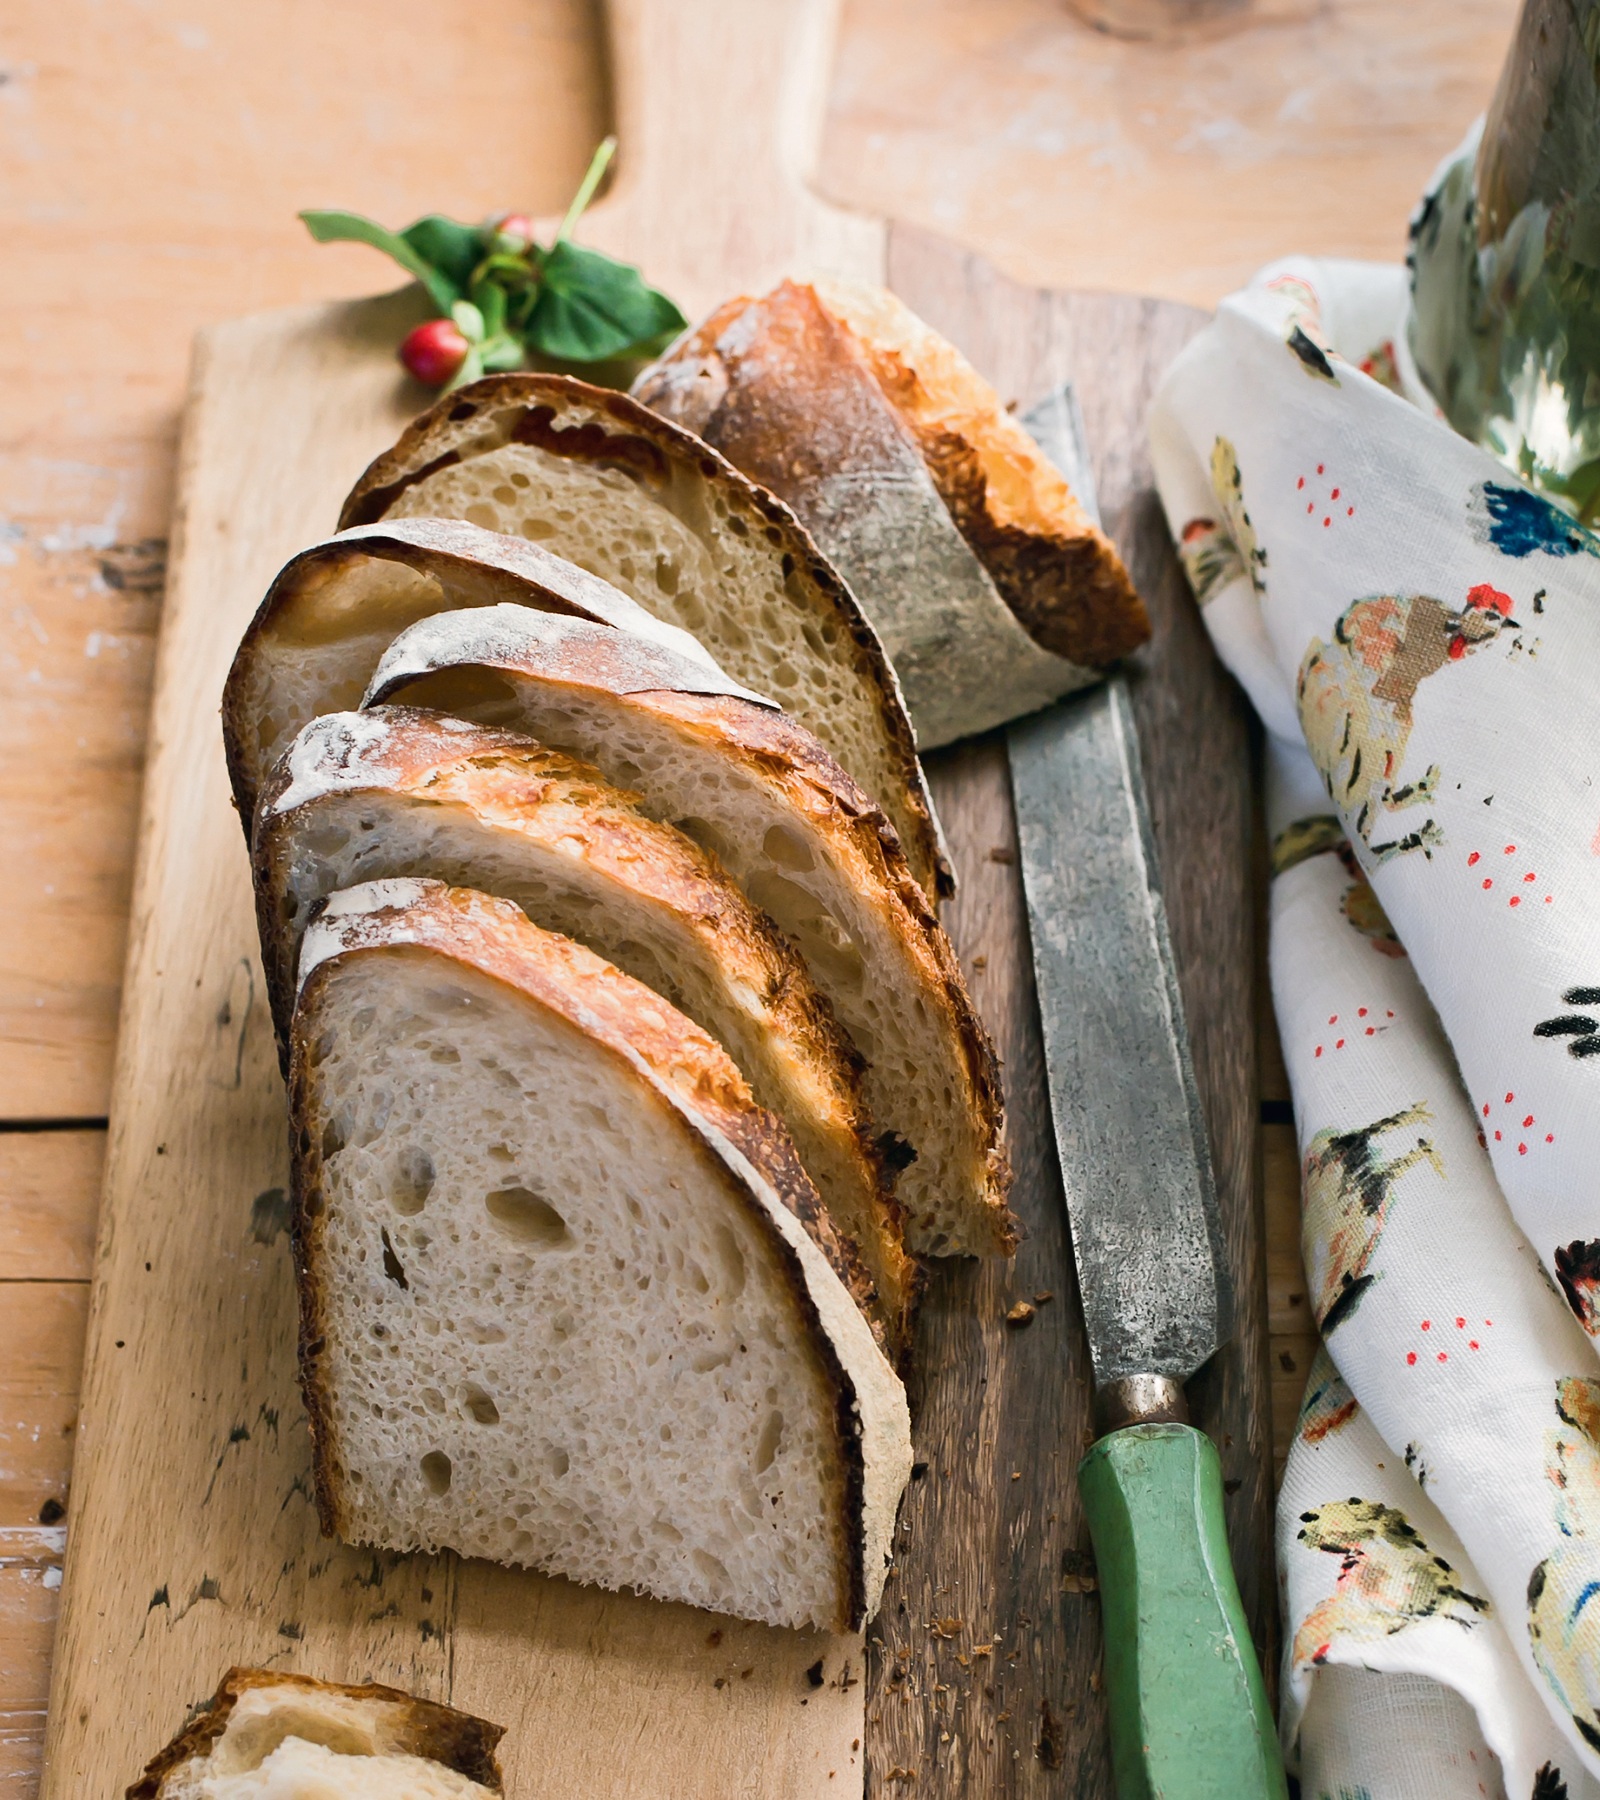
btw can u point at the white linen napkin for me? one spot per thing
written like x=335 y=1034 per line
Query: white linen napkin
x=1392 y=599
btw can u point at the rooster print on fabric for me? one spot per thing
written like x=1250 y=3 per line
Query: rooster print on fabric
x=1348 y=1182
x=1355 y=698
x=1388 y=1578
x=1564 y=1590
x=1218 y=551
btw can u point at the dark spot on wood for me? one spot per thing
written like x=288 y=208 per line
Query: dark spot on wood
x=427 y=1596
x=1232 y=1485
x=52 y=1512
x=122 y=1343
x=137 y=568
x=159 y=1598
x=918 y=1470
x=292 y=1630
x=269 y=1215
x=428 y=1629
x=814 y=1673
x=1000 y=854
x=715 y=1638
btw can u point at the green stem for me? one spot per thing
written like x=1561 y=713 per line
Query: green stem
x=598 y=164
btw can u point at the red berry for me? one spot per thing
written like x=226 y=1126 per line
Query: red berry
x=515 y=225
x=434 y=351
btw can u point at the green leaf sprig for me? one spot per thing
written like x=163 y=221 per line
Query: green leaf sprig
x=513 y=300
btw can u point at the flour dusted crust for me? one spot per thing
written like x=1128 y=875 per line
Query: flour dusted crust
x=1056 y=568
x=397 y=792
x=776 y=616
x=993 y=589
x=397 y=1723
x=440 y=958
x=334 y=608
x=496 y=664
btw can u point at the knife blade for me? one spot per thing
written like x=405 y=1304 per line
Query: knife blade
x=1188 y=1708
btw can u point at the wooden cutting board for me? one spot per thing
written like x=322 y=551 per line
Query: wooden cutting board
x=194 y=1543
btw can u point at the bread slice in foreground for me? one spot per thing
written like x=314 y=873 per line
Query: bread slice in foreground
x=821 y=392
x=597 y=478
x=802 y=841
x=396 y=792
x=567 y=1298
x=273 y=1736
x=334 y=609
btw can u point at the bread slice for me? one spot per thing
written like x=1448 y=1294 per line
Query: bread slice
x=272 y=1736
x=797 y=835
x=333 y=610
x=597 y=478
x=567 y=1298
x=395 y=792
x=819 y=392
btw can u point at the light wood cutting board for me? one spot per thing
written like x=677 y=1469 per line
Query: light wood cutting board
x=194 y=1542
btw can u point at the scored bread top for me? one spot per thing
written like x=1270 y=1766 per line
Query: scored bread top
x=662 y=1068
x=496 y=937
x=398 y=792
x=887 y=443
x=1057 y=569
x=819 y=835
x=732 y=563
x=316 y=637
x=397 y=1724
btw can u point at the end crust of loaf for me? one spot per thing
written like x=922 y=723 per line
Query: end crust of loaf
x=369 y=1721
x=397 y=792
x=1057 y=571
x=801 y=623
x=689 y=754
x=331 y=611
x=682 y=1105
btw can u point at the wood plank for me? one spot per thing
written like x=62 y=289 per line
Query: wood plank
x=1073 y=159
x=49 y=1201
x=41 y=1358
x=228 y=119
x=983 y=1673
x=41 y=1351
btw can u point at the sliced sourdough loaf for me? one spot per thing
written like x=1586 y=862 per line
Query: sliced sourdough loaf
x=597 y=478
x=992 y=587
x=396 y=792
x=274 y=1736
x=567 y=1298
x=334 y=609
x=797 y=835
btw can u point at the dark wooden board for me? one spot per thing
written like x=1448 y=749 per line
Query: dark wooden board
x=983 y=1667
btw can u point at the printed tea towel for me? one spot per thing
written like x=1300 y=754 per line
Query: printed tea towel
x=1421 y=636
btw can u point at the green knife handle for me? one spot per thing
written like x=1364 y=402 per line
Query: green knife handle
x=1189 y=1715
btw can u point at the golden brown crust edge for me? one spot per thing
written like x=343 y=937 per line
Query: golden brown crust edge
x=457 y=1740
x=418 y=749
x=433 y=441
x=761 y=1140
x=791 y=753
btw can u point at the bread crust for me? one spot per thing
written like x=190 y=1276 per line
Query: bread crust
x=570 y=418
x=1056 y=569
x=686 y=1069
x=785 y=755
x=427 y=1729
x=471 y=566
x=797 y=383
x=509 y=784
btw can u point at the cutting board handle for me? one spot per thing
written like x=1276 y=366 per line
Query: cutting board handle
x=719 y=108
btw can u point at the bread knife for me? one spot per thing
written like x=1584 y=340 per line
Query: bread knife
x=1188 y=1708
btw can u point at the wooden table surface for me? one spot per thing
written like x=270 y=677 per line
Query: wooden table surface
x=153 y=160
